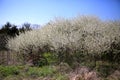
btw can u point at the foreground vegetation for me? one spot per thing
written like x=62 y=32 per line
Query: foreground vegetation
x=83 y=47
x=63 y=71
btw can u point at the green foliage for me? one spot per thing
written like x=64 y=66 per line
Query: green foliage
x=61 y=77
x=41 y=62
x=43 y=71
x=104 y=69
x=47 y=71
x=51 y=58
x=33 y=72
x=8 y=70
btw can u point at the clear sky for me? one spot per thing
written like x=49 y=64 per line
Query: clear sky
x=41 y=11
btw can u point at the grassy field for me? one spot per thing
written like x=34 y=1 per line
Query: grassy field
x=63 y=71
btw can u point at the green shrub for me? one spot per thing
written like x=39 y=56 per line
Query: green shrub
x=41 y=62
x=50 y=57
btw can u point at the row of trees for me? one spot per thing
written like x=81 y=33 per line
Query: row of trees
x=10 y=30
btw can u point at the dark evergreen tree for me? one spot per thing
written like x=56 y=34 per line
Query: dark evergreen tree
x=25 y=27
x=14 y=31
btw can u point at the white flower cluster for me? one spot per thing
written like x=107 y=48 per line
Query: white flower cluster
x=82 y=32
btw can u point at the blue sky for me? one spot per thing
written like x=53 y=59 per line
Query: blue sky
x=41 y=11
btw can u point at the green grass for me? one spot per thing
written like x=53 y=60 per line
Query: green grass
x=43 y=71
x=8 y=70
x=61 y=77
x=104 y=69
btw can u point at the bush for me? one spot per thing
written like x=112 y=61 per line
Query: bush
x=66 y=37
x=51 y=58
